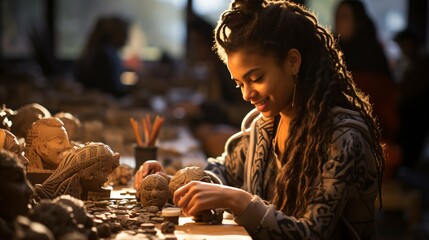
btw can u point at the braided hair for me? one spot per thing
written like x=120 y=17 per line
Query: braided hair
x=275 y=27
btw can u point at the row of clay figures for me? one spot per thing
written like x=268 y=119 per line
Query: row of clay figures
x=67 y=167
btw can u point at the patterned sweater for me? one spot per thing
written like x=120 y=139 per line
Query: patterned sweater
x=343 y=203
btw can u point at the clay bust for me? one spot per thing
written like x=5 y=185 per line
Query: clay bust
x=15 y=198
x=153 y=191
x=9 y=142
x=187 y=174
x=25 y=116
x=84 y=169
x=47 y=143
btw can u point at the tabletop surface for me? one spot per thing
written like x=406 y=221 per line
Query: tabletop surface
x=187 y=228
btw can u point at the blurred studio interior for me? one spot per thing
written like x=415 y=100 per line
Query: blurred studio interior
x=106 y=61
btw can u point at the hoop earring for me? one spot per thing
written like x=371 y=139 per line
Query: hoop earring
x=294 y=90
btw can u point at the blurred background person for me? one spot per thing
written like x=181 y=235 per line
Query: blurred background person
x=100 y=65
x=413 y=83
x=367 y=61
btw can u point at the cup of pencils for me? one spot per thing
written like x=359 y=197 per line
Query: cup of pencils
x=145 y=148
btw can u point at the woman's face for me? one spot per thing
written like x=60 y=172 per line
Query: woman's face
x=344 y=23
x=264 y=82
x=15 y=191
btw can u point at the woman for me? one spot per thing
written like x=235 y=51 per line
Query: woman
x=308 y=163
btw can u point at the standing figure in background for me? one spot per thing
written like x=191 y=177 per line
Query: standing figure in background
x=100 y=65
x=365 y=58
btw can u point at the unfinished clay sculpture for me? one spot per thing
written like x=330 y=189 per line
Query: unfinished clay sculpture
x=153 y=191
x=83 y=170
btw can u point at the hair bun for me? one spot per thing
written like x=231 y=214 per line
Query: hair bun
x=247 y=5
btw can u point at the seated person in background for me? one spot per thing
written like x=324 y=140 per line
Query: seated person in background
x=47 y=143
x=365 y=58
x=100 y=66
x=15 y=198
x=308 y=163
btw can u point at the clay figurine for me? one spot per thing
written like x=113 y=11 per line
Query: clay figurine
x=46 y=144
x=84 y=170
x=153 y=191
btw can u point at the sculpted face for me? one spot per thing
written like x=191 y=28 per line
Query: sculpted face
x=153 y=191
x=95 y=176
x=15 y=190
x=51 y=141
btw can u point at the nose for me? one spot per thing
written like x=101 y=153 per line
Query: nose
x=248 y=92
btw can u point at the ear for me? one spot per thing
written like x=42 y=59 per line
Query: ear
x=42 y=149
x=293 y=59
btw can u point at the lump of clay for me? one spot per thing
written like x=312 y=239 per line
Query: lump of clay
x=153 y=191
x=83 y=170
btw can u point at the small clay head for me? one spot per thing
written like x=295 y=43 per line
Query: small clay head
x=153 y=191
x=15 y=190
x=187 y=174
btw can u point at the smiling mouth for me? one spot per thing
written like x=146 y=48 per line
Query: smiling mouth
x=260 y=102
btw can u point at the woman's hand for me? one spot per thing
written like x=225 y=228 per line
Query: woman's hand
x=149 y=167
x=197 y=196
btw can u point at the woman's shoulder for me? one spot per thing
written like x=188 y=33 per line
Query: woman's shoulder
x=347 y=120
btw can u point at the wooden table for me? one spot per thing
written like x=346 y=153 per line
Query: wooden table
x=187 y=228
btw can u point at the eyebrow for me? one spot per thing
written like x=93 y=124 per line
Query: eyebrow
x=247 y=73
